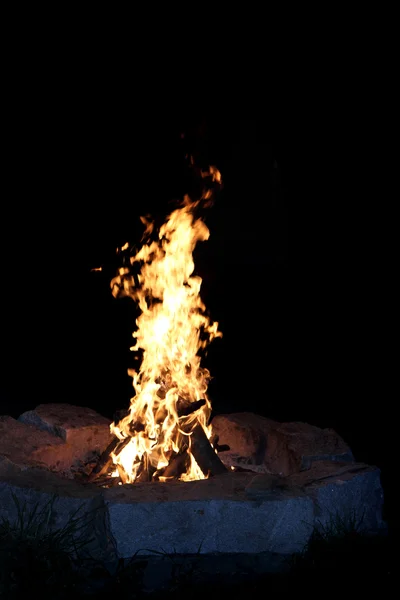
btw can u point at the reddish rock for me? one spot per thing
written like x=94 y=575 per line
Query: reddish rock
x=26 y=446
x=265 y=445
x=77 y=425
x=59 y=437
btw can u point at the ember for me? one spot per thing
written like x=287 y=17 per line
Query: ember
x=165 y=433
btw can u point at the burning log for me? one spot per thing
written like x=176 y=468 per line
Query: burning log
x=107 y=481
x=222 y=448
x=136 y=427
x=105 y=462
x=184 y=409
x=176 y=466
x=122 y=473
x=218 y=447
x=145 y=471
x=200 y=447
x=204 y=454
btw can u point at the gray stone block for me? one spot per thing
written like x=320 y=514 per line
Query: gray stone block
x=205 y=521
x=350 y=500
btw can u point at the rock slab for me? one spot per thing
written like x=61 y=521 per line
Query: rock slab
x=264 y=445
x=56 y=436
x=76 y=425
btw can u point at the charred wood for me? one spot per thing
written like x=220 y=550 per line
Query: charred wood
x=107 y=481
x=136 y=427
x=106 y=461
x=176 y=466
x=222 y=448
x=122 y=473
x=145 y=471
x=204 y=454
x=214 y=439
x=184 y=409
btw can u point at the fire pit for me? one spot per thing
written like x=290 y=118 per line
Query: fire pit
x=163 y=476
x=281 y=480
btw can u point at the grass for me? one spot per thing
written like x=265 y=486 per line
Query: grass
x=340 y=553
x=56 y=564
x=36 y=558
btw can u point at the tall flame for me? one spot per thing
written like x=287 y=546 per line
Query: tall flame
x=171 y=330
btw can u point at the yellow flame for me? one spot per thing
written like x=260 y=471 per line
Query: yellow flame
x=171 y=329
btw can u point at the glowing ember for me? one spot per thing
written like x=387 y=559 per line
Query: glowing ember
x=170 y=398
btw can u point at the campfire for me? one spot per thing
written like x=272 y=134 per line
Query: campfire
x=165 y=433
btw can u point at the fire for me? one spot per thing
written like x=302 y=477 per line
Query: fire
x=171 y=385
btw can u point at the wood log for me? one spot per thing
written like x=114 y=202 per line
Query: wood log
x=222 y=448
x=184 y=409
x=145 y=471
x=200 y=447
x=204 y=454
x=122 y=473
x=141 y=473
x=114 y=481
x=121 y=445
x=106 y=461
x=214 y=439
x=176 y=466
x=136 y=427
x=107 y=481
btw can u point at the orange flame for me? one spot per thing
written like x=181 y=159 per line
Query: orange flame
x=171 y=329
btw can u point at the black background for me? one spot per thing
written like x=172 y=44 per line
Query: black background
x=78 y=196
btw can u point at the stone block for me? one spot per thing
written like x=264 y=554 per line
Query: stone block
x=26 y=446
x=349 y=497
x=76 y=425
x=264 y=445
x=207 y=516
x=77 y=433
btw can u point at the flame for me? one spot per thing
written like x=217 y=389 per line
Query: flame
x=171 y=330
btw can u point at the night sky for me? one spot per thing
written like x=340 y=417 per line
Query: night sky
x=289 y=292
